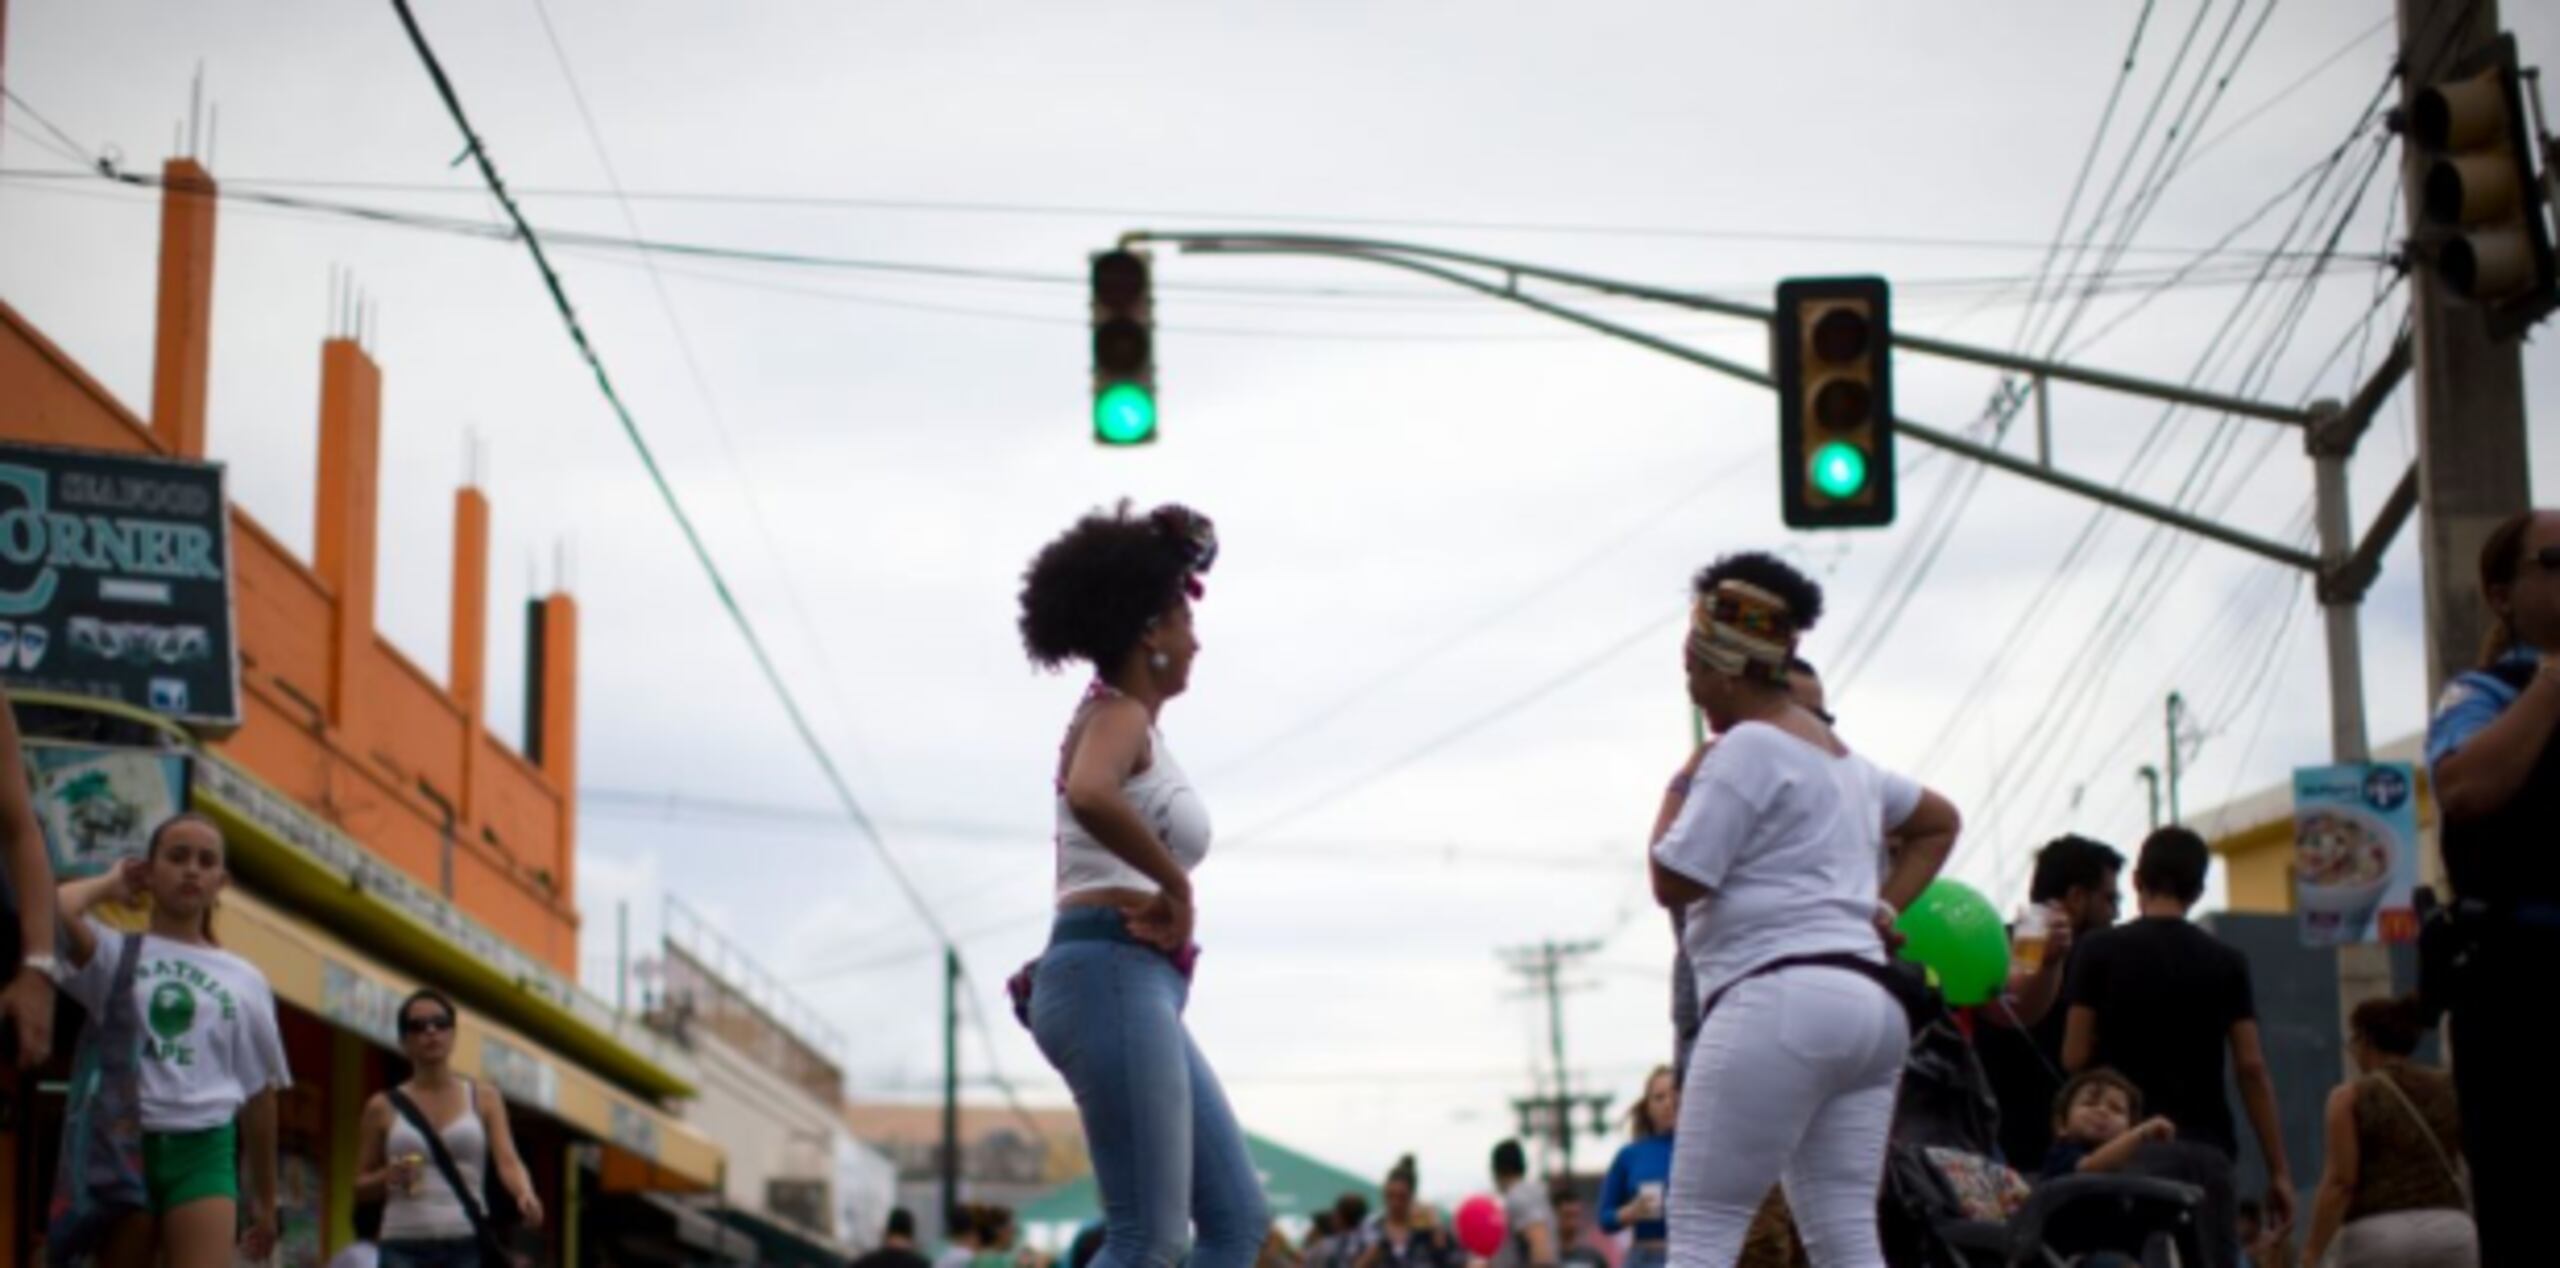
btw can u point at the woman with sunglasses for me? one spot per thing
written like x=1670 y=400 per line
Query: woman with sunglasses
x=2493 y=750
x=425 y=1221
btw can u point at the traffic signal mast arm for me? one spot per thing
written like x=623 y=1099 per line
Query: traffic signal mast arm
x=2322 y=425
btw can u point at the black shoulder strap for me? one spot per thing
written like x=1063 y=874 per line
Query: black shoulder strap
x=444 y=1158
x=2515 y=673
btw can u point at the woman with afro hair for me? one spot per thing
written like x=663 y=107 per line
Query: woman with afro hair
x=1106 y=997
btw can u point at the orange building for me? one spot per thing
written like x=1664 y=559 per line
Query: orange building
x=381 y=837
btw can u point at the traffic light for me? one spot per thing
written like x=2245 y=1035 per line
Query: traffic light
x=2484 y=208
x=1124 y=349
x=1833 y=352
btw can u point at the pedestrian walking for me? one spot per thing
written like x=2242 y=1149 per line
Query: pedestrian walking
x=1632 y=1192
x=1528 y=1219
x=2166 y=1004
x=2391 y=1187
x=897 y=1248
x=1107 y=996
x=2494 y=751
x=26 y=912
x=427 y=1147
x=211 y=1059
x=960 y=1241
x=1781 y=840
x=1578 y=1244
x=1407 y=1233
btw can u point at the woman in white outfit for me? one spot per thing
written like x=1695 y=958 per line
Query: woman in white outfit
x=426 y=1222
x=1779 y=855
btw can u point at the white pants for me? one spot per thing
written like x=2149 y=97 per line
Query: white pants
x=2408 y=1239
x=1793 y=1079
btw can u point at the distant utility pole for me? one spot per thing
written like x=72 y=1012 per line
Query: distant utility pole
x=2150 y=776
x=2177 y=760
x=1543 y=965
x=950 y=1086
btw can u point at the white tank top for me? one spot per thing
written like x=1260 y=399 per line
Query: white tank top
x=431 y=1212
x=1162 y=796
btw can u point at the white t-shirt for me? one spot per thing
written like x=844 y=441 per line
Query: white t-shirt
x=359 y=1255
x=1524 y=1204
x=209 y=1038
x=1789 y=840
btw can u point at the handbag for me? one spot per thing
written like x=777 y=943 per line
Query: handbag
x=99 y=1179
x=2461 y=1179
x=493 y=1249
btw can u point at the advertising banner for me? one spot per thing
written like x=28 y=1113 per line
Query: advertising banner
x=2355 y=840
x=115 y=580
x=97 y=805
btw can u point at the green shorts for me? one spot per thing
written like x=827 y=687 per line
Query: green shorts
x=183 y=1167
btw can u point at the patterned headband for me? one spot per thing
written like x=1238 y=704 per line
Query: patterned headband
x=1195 y=535
x=1743 y=630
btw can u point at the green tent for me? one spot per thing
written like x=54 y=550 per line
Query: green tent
x=1295 y=1185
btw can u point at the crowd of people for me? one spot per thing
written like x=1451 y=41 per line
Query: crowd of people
x=1785 y=858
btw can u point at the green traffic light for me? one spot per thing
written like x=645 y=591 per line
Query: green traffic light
x=1124 y=414
x=1839 y=470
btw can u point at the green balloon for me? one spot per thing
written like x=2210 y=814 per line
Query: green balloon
x=1956 y=932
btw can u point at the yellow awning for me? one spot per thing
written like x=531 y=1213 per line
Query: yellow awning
x=323 y=976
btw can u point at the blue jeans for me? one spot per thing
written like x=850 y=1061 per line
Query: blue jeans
x=1107 y=1012
x=461 y=1252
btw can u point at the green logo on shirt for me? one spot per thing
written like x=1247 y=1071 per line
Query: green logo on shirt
x=173 y=1010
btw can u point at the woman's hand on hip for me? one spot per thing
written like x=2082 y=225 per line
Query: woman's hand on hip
x=1163 y=921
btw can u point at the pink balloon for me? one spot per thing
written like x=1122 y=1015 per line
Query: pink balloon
x=1480 y=1225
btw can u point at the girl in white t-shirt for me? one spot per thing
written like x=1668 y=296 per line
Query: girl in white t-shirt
x=211 y=1062
x=1778 y=853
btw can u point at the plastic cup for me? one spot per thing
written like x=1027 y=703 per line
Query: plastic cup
x=2027 y=937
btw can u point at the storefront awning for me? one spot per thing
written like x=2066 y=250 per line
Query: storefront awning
x=322 y=975
x=289 y=852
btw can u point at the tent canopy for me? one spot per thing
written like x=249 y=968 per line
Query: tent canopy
x=1295 y=1185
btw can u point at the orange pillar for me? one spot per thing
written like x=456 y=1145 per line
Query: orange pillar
x=559 y=755
x=183 y=356
x=467 y=675
x=343 y=541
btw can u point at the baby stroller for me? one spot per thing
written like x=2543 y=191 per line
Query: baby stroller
x=1949 y=1202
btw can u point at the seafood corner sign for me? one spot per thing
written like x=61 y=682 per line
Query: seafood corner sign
x=115 y=580
x=2355 y=841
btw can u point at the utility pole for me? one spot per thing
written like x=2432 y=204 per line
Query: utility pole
x=950 y=1086
x=1543 y=965
x=2150 y=776
x=2470 y=387
x=2177 y=719
x=2470 y=400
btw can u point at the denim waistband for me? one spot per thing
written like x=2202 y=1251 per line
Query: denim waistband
x=1092 y=924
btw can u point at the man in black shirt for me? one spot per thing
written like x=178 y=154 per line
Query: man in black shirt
x=2021 y=1042
x=897 y=1245
x=2160 y=1001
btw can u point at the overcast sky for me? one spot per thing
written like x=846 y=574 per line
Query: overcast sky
x=1440 y=692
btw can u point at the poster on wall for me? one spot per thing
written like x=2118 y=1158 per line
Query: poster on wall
x=2355 y=850
x=115 y=581
x=98 y=804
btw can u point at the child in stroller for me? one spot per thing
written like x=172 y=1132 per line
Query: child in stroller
x=1951 y=1202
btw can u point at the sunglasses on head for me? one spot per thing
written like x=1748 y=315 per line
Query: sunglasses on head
x=425 y=1025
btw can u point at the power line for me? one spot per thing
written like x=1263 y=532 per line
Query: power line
x=702 y=387
x=478 y=152
x=1367 y=689
x=948 y=206
x=1651 y=628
